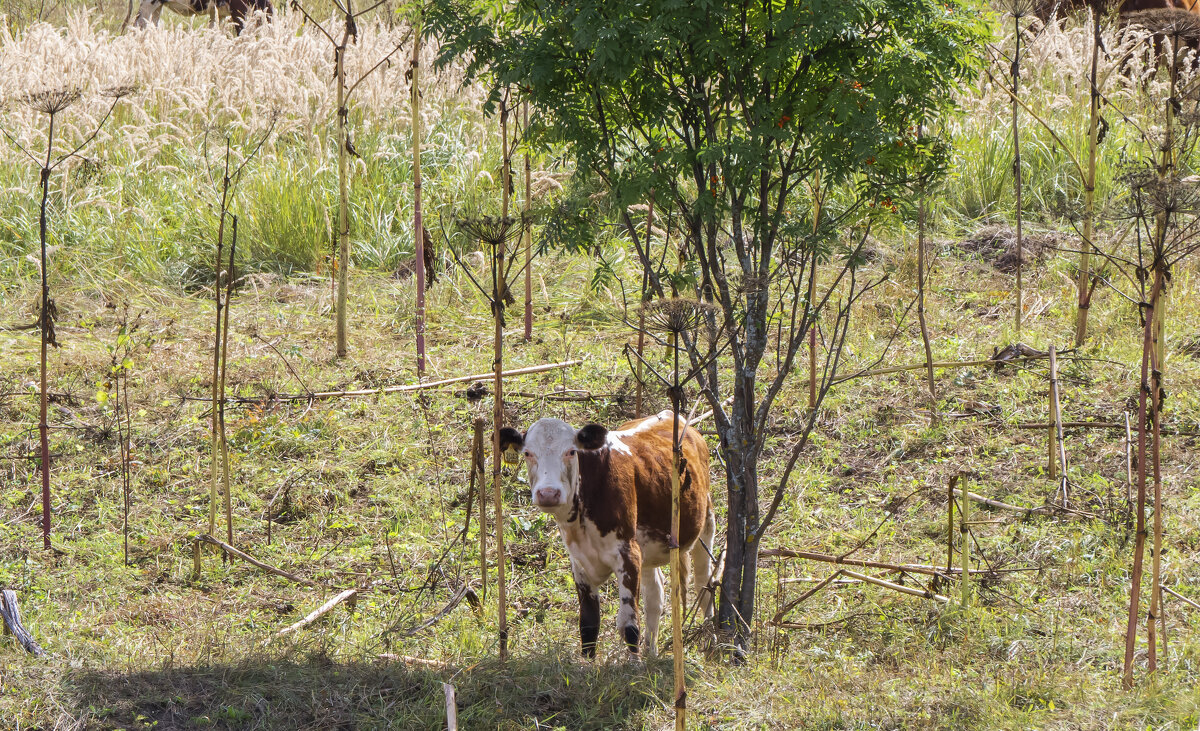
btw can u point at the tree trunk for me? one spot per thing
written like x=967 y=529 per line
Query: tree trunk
x=736 y=608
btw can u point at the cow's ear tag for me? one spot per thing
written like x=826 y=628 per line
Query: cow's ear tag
x=511 y=456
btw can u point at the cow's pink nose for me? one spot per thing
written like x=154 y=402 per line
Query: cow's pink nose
x=547 y=497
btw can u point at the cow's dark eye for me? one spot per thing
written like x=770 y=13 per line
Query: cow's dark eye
x=571 y=453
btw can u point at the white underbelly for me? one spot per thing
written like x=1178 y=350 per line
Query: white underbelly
x=655 y=553
x=594 y=557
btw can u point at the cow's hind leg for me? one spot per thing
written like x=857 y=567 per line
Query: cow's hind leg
x=589 y=618
x=702 y=564
x=627 y=586
x=652 y=595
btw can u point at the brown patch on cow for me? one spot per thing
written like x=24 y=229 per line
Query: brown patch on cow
x=606 y=492
x=652 y=456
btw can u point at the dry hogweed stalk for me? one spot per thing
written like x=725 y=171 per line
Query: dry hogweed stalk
x=496 y=232
x=1018 y=10
x=677 y=316
x=51 y=103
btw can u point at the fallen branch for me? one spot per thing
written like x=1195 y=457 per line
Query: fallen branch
x=925 y=593
x=12 y=622
x=463 y=592
x=419 y=661
x=205 y=538
x=321 y=612
x=943 y=364
x=396 y=389
x=1179 y=596
x=778 y=618
x=1103 y=425
x=911 y=568
x=1043 y=510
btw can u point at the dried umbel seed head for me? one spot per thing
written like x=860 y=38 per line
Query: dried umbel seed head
x=51 y=101
x=119 y=92
x=491 y=230
x=1155 y=195
x=678 y=314
x=1017 y=8
x=1173 y=23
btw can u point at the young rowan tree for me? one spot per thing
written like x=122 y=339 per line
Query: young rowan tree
x=735 y=112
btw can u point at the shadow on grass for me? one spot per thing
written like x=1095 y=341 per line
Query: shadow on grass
x=541 y=691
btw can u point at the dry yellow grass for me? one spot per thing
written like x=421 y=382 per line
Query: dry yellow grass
x=192 y=78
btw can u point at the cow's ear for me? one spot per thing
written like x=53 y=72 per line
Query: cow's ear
x=511 y=443
x=591 y=436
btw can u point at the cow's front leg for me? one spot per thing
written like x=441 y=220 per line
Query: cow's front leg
x=589 y=617
x=628 y=579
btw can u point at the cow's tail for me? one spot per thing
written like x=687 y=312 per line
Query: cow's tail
x=703 y=563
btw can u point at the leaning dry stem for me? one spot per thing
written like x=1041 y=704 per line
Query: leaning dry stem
x=215 y=407
x=224 y=441
x=1139 y=547
x=933 y=409
x=1083 y=280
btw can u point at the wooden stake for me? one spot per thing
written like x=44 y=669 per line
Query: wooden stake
x=451 y=708
x=205 y=538
x=1059 y=454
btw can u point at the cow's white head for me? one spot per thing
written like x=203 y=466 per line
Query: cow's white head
x=551 y=450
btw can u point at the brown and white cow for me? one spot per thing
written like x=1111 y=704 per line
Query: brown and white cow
x=239 y=11
x=610 y=494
